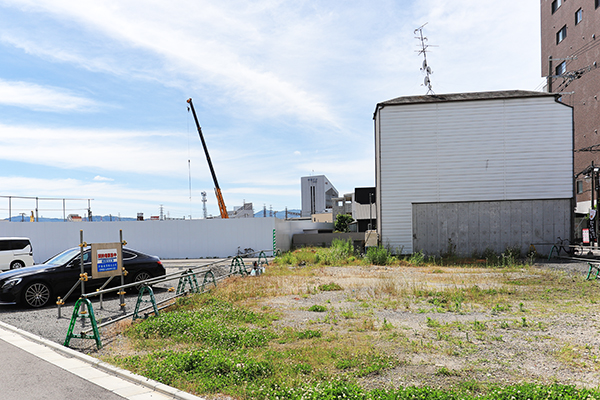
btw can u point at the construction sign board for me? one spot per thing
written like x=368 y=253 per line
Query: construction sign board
x=107 y=260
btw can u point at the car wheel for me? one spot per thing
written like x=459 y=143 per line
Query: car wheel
x=17 y=264
x=141 y=276
x=37 y=294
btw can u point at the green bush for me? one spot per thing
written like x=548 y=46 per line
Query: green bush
x=337 y=253
x=317 y=308
x=417 y=258
x=287 y=258
x=378 y=255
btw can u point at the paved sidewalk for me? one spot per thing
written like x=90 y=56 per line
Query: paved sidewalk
x=35 y=368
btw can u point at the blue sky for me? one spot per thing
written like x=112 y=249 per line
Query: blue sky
x=93 y=94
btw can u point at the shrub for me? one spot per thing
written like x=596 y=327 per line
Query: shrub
x=378 y=255
x=417 y=258
x=342 y=222
x=338 y=252
x=286 y=258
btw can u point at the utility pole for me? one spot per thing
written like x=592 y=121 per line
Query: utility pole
x=550 y=74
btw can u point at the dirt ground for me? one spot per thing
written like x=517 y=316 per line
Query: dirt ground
x=536 y=340
x=540 y=326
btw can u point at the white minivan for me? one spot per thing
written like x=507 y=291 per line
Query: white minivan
x=15 y=252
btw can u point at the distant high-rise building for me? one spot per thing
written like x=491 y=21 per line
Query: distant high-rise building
x=317 y=194
x=570 y=35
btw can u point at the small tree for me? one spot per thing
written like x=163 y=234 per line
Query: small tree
x=342 y=222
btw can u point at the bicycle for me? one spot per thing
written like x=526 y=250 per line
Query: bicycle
x=248 y=251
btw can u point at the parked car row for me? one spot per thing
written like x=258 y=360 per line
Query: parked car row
x=39 y=285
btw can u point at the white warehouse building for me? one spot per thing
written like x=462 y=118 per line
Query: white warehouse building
x=473 y=171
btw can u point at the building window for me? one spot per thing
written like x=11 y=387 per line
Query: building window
x=561 y=68
x=597 y=3
x=556 y=4
x=579 y=15
x=561 y=35
x=579 y=187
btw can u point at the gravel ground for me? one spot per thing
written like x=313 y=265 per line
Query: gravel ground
x=529 y=342
x=45 y=322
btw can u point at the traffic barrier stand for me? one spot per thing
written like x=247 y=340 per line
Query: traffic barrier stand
x=593 y=271
x=188 y=277
x=262 y=256
x=238 y=266
x=140 y=300
x=82 y=302
x=214 y=281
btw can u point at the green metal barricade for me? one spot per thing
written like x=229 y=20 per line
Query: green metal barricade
x=140 y=301
x=78 y=313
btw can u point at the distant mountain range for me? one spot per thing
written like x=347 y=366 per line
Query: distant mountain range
x=95 y=218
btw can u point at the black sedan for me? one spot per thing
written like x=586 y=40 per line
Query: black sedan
x=40 y=284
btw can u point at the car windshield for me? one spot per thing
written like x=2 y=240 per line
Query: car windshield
x=63 y=257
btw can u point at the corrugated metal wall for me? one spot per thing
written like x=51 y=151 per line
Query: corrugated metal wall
x=497 y=225
x=488 y=150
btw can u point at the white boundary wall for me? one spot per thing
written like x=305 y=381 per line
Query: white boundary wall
x=204 y=238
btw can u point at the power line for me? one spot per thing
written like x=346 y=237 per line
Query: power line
x=569 y=76
x=593 y=148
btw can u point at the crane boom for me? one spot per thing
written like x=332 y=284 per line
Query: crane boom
x=222 y=208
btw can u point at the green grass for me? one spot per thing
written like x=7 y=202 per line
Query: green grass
x=330 y=287
x=205 y=345
x=347 y=389
x=227 y=342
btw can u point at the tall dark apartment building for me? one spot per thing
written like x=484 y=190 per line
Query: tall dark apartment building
x=570 y=61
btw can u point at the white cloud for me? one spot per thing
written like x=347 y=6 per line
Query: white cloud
x=218 y=46
x=108 y=150
x=102 y=179
x=293 y=86
x=42 y=98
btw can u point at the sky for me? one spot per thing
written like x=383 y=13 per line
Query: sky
x=93 y=94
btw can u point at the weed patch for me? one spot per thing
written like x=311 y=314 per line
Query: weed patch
x=330 y=287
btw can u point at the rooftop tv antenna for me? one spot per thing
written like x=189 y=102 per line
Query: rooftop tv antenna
x=423 y=49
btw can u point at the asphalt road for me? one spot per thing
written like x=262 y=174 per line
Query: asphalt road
x=26 y=376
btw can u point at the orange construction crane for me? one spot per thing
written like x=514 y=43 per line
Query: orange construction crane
x=220 y=200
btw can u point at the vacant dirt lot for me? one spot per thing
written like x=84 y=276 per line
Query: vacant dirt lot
x=447 y=326
x=452 y=325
